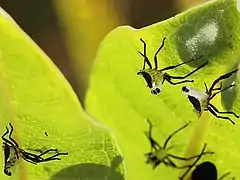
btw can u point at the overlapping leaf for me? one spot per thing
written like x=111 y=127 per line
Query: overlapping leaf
x=35 y=98
x=120 y=99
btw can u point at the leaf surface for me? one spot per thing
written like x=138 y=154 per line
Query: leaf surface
x=37 y=99
x=119 y=98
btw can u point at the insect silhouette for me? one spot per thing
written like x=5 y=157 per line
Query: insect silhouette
x=201 y=101
x=155 y=77
x=206 y=170
x=13 y=153
x=159 y=154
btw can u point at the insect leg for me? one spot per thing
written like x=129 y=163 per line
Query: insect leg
x=195 y=70
x=169 y=162
x=168 y=79
x=31 y=157
x=218 y=88
x=206 y=88
x=159 y=49
x=224 y=175
x=156 y=164
x=224 y=89
x=6 y=140
x=189 y=158
x=226 y=112
x=146 y=60
x=175 y=66
x=194 y=163
x=149 y=136
x=145 y=54
x=172 y=164
x=171 y=135
x=10 y=135
x=47 y=151
x=221 y=78
x=220 y=117
x=29 y=160
x=51 y=158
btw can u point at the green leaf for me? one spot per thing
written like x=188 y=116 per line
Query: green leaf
x=36 y=98
x=119 y=97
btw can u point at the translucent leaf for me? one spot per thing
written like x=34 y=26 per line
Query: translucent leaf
x=119 y=97
x=45 y=113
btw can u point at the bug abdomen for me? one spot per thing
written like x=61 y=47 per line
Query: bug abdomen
x=196 y=104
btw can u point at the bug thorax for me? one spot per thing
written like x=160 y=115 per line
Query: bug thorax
x=154 y=79
x=197 y=98
x=156 y=156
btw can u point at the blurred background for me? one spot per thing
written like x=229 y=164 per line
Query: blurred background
x=69 y=31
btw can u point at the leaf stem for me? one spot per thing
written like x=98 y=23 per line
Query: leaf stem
x=196 y=140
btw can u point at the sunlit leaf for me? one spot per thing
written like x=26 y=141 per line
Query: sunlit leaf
x=120 y=99
x=37 y=100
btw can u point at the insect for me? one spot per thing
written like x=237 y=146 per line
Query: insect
x=201 y=100
x=156 y=77
x=206 y=170
x=13 y=153
x=159 y=154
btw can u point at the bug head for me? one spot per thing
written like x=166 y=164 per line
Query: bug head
x=152 y=159
x=155 y=90
x=9 y=167
x=7 y=171
x=186 y=89
x=150 y=78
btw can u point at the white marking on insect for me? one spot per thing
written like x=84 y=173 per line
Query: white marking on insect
x=189 y=91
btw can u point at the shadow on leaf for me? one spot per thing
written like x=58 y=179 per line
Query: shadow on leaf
x=91 y=171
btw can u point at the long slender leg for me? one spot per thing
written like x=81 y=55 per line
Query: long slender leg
x=28 y=154
x=175 y=66
x=206 y=88
x=169 y=162
x=31 y=157
x=156 y=164
x=221 y=78
x=195 y=70
x=146 y=60
x=36 y=150
x=32 y=162
x=144 y=51
x=180 y=82
x=189 y=158
x=226 y=112
x=172 y=164
x=224 y=175
x=194 y=163
x=155 y=56
x=217 y=88
x=220 y=117
x=171 y=135
x=47 y=151
x=53 y=157
x=153 y=143
x=10 y=135
x=6 y=140
x=149 y=136
x=224 y=89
